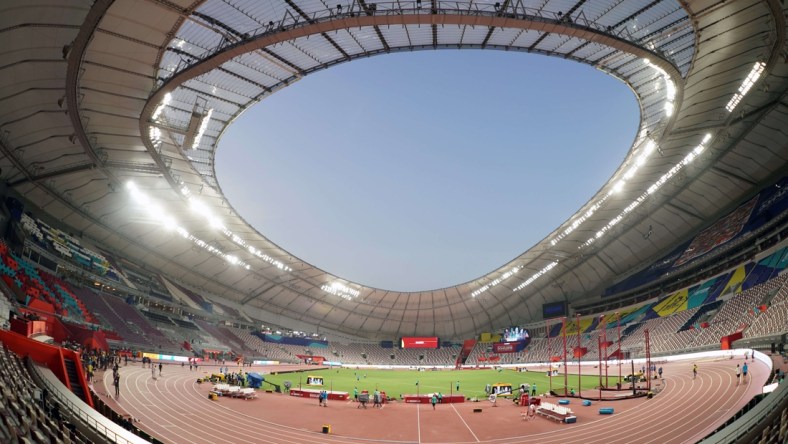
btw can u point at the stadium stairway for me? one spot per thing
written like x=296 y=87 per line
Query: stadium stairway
x=695 y=318
x=73 y=379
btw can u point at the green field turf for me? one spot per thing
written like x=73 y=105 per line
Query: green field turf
x=397 y=382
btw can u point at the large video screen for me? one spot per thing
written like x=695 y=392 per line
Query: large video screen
x=554 y=310
x=514 y=334
x=420 y=342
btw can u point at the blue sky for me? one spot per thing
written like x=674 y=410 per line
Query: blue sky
x=416 y=171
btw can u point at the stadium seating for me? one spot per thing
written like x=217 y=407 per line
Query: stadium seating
x=67 y=247
x=24 y=420
x=125 y=320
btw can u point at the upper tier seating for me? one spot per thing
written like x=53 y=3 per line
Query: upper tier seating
x=67 y=247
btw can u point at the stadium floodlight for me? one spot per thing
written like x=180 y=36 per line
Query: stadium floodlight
x=169 y=222
x=640 y=160
x=155 y=210
x=203 y=126
x=198 y=123
x=215 y=222
x=199 y=207
x=670 y=88
x=536 y=275
x=749 y=81
x=166 y=101
x=496 y=281
x=339 y=289
x=154 y=134
x=691 y=156
x=668 y=109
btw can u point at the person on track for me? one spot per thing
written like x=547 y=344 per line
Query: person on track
x=738 y=374
x=694 y=371
x=744 y=369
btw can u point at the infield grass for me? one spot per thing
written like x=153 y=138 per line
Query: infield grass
x=398 y=382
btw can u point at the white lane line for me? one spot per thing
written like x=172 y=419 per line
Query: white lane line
x=418 y=421
x=466 y=424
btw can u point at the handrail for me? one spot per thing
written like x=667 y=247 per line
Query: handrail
x=414 y=7
x=753 y=419
x=97 y=422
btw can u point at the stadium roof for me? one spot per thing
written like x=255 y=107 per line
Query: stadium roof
x=94 y=95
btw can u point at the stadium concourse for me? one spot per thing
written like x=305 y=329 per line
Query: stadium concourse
x=177 y=409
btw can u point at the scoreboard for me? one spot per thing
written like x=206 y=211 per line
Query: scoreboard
x=419 y=342
x=554 y=310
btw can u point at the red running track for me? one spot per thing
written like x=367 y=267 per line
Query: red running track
x=176 y=409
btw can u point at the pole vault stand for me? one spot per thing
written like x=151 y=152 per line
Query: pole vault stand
x=636 y=350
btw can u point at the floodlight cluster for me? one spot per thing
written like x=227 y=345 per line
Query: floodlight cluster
x=651 y=190
x=640 y=160
x=670 y=88
x=201 y=130
x=670 y=97
x=749 y=81
x=215 y=222
x=159 y=109
x=536 y=275
x=157 y=213
x=341 y=290
x=496 y=281
x=203 y=210
x=199 y=207
x=154 y=134
x=255 y=252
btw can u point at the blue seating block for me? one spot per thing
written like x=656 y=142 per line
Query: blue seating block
x=606 y=411
x=570 y=420
x=563 y=401
x=586 y=402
